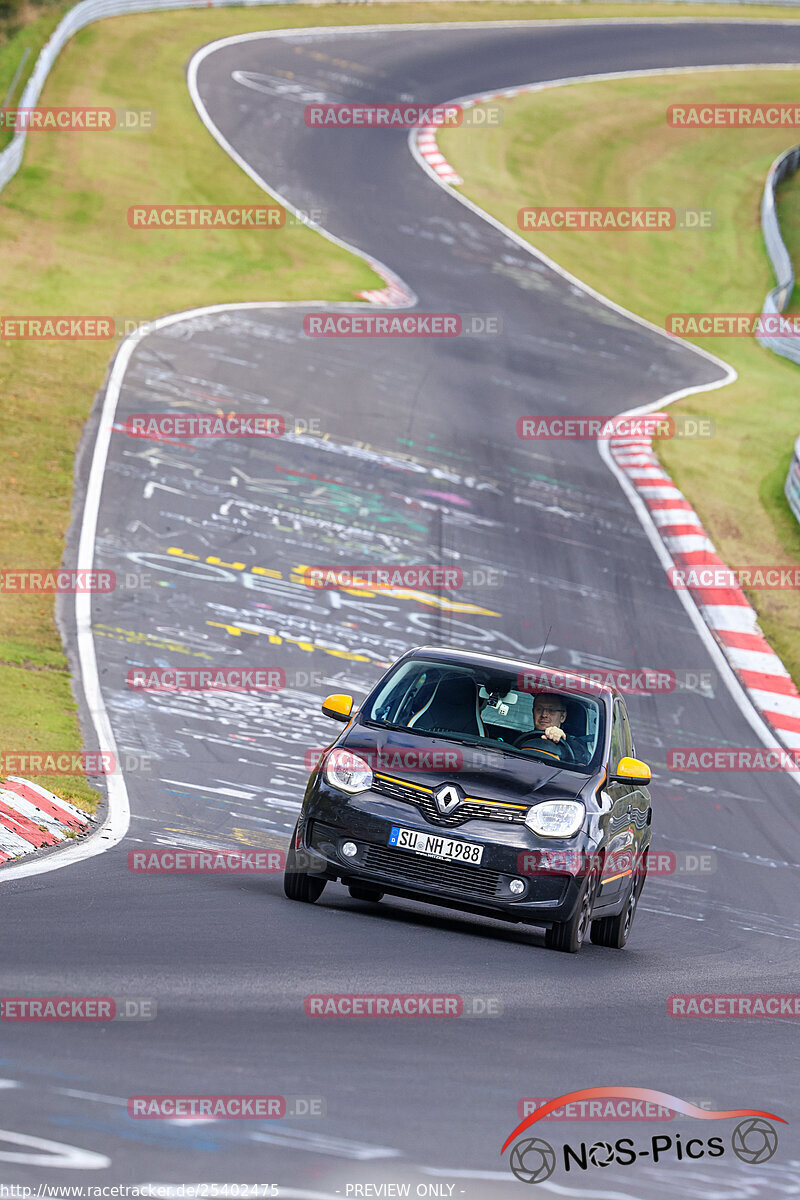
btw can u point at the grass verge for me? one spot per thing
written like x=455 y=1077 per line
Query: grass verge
x=609 y=144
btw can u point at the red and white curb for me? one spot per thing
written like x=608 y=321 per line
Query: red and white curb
x=31 y=818
x=726 y=610
x=428 y=148
x=426 y=144
x=394 y=295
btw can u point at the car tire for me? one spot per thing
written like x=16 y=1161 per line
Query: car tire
x=298 y=884
x=615 y=931
x=363 y=892
x=569 y=936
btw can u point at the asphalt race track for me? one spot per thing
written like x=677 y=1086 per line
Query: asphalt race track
x=415 y=458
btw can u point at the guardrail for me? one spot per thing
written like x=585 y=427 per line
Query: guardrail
x=792 y=486
x=776 y=300
x=85 y=13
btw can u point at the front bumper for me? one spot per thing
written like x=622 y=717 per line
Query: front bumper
x=331 y=818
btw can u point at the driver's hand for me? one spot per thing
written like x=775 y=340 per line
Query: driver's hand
x=555 y=733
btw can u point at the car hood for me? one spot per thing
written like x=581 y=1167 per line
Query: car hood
x=429 y=761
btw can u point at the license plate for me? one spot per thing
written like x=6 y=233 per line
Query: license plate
x=434 y=846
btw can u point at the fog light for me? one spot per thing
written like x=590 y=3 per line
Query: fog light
x=349 y=849
x=517 y=887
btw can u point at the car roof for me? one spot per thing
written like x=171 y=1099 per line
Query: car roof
x=583 y=683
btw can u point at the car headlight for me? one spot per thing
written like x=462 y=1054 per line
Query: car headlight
x=556 y=818
x=347 y=772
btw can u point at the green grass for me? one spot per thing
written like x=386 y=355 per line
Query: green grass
x=545 y=153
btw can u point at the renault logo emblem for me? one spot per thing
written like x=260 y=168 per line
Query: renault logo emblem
x=448 y=797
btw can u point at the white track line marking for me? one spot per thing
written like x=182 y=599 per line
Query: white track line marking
x=55 y=1154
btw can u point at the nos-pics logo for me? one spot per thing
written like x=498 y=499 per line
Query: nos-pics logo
x=754 y=1139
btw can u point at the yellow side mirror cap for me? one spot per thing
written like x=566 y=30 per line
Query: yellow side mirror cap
x=631 y=770
x=338 y=706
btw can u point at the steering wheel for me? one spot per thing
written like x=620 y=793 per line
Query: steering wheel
x=532 y=741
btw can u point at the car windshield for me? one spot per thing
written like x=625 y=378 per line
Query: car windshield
x=483 y=706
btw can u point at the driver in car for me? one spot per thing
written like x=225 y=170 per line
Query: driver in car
x=549 y=714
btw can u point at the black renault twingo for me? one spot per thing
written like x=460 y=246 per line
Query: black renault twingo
x=484 y=784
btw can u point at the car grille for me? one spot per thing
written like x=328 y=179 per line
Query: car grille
x=455 y=877
x=471 y=809
x=403 y=866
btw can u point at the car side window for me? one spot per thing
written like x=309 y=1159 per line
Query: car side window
x=618 y=750
x=630 y=749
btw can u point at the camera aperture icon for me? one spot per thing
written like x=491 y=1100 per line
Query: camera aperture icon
x=532 y=1160
x=601 y=1154
x=754 y=1141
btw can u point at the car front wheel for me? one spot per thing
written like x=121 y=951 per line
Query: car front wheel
x=615 y=931
x=297 y=883
x=569 y=936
